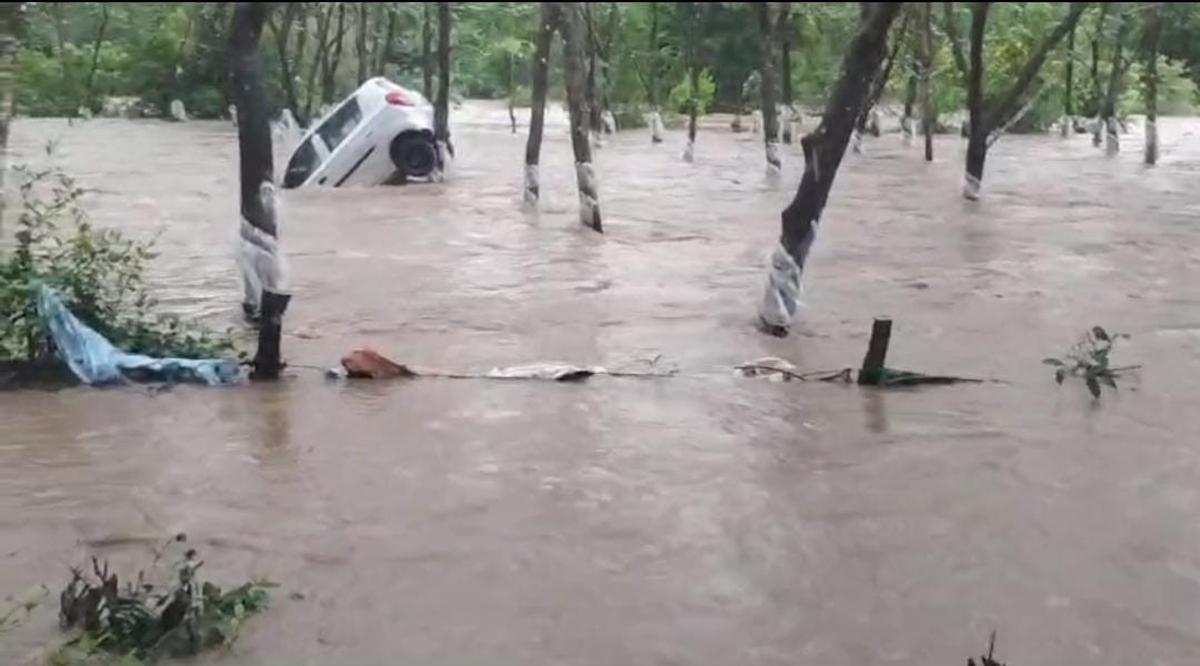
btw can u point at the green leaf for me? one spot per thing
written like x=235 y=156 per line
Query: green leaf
x=1052 y=361
x=1100 y=333
x=1060 y=374
x=1093 y=386
x=1107 y=378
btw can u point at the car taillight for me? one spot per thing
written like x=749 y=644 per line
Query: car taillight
x=397 y=98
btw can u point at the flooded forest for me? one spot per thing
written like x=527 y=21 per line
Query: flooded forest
x=599 y=333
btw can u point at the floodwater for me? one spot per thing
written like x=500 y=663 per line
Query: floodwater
x=702 y=519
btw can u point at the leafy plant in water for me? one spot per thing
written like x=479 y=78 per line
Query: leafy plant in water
x=148 y=619
x=1089 y=359
x=99 y=272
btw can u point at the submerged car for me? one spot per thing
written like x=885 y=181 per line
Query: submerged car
x=382 y=133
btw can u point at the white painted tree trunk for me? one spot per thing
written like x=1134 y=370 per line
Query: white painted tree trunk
x=531 y=186
x=177 y=111
x=756 y=122
x=689 y=152
x=656 y=127
x=856 y=142
x=1066 y=126
x=1113 y=136
x=774 y=163
x=589 y=200
x=972 y=188
x=1151 y=155
x=609 y=121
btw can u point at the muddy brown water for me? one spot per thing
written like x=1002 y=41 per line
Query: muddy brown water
x=704 y=519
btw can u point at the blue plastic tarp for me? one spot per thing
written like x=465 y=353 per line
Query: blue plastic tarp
x=94 y=360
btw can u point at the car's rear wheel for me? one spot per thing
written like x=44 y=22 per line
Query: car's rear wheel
x=414 y=156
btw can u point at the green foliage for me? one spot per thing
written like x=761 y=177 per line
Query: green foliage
x=680 y=98
x=99 y=273
x=1089 y=360
x=1177 y=93
x=159 y=613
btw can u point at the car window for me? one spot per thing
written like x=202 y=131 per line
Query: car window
x=302 y=165
x=339 y=126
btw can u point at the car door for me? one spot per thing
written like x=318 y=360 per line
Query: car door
x=307 y=159
x=343 y=136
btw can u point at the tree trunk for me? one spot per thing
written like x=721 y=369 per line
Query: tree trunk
x=768 y=13
x=91 y=80
x=383 y=52
x=907 y=124
x=977 y=124
x=1116 y=74
x=688 y=10
x=593 y=108
x=333 y=58
x=787 y=97
x=924 y=72
x=324 y=18
x=537 y=110
x=867 y=117
x=283 y=32
x=1068 y=124
x=987 y=119
x=512 y=91
x=575 y=66
x=262 y=262
x=1153 y=38
x=10 y=16
x=364 y=65
x=1097 y=87
x=441 y=109
x=823 y=150
x=427 y=66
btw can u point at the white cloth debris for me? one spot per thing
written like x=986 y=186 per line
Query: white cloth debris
x=263 y=266
x=782 y=297
x=551 y=371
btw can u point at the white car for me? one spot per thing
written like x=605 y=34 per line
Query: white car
x=381 y=133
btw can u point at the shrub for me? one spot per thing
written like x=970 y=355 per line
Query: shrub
x=99 y=273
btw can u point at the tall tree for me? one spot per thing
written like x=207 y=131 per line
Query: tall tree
x=990 y=114
x=333 y=57
x=650 y=80
x=691 y=54
x=262 y=266
x=383 y=49
x=537 y=111
x=1068 y=123
x=441 y=108
x=1150 y=83
x=90 y=89
x=324 y=20
x=786 y=32
x=823 y=151
x=866 y=117
x=10 y=18
x=925 y=76
x=293 y=13
x=1116 y=76
x=768 y=19
x=575 y=66
x=360 y=42
x=427 y=64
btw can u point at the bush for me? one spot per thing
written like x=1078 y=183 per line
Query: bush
x=679 y=98
x=98 y=272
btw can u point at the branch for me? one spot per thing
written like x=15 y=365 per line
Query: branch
x=952 y=36
x=1010 y=101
